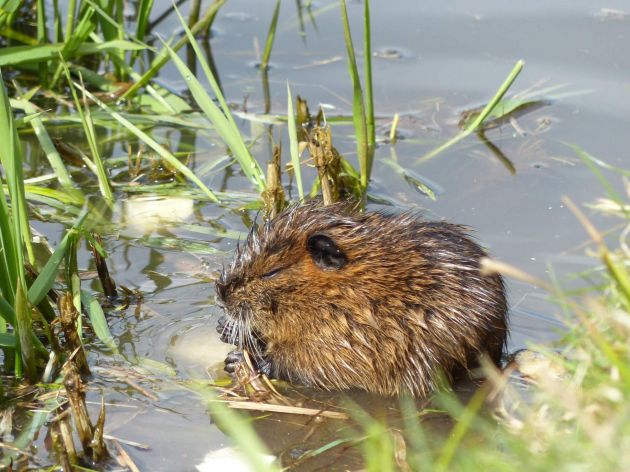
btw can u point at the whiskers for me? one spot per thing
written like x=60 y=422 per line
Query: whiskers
x=238 y=330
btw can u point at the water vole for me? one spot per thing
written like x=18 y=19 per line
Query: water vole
x=336 y=299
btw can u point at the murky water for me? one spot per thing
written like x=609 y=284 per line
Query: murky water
x=434 y=60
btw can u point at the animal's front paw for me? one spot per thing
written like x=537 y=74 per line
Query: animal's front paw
x=232 y=361
x=237 y=357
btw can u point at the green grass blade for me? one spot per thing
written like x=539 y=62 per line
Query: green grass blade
x=96 y=163
x=367 y=76
x=66 y=198
x=167 y=101
x=358 y=108
x=7 y=312
x=88 y=125
x=142 y=23
x=411 y=178
x=9 y=7
x=73 y=281
x=70 y=17
x=216 y=89
x=48 y=274
x=57 y=27
x=162 y=57
x=98 y=320
x=8 y=255
x=590 y=162
x=11 y=160
x=38 y=196
x=82 y=30
x=464 y=421
x=54 y=159
x=293 y=144
x=23 y=328
x=604 y=165
x=228 y=133
x=243 y=434
x=619 y=273
x=271 y=34
x=159 y=149
x=179 y=244
x=42 y=39
x=250 y=166
x=114 y=30
x=8 y=340
x=23 y=54
x=516 y=70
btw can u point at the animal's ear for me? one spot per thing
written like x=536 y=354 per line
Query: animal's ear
x=325 y=252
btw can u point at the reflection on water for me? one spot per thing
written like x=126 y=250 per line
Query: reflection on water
x=148 y=214
x=433 y=60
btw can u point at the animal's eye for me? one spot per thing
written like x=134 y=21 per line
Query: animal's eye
x=271 y=273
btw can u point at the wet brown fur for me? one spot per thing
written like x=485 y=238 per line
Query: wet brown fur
x=409 y=305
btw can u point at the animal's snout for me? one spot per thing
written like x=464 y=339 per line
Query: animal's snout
x=225 y=288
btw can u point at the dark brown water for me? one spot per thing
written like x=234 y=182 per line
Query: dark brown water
x=434 y=60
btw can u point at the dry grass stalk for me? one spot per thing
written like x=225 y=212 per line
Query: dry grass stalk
x=273 y=195
x=492 y=266
x=400 y=450
x=123 y=458
x=91 y=438
x=129 y=377
x=65 y=429
x=293 y=410
x=327 y=162
x=99 y=450
x=253 y=385
x=68 y=316
x=63 y=452
x=258 y=393
x=303 y=118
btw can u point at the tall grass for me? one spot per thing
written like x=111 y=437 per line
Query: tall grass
x=163 y=57
x=92 y=28
x=21 y=355
x=95 y=164
x=362 y=108
x=24 y=299
x=220 y=116
x=271 y=35
x=36 y=122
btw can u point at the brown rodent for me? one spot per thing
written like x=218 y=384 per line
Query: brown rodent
x=337 y=299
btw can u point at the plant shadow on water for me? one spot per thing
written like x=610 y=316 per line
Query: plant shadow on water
x=168 y=245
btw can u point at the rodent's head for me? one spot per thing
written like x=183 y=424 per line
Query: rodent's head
x=304 y=266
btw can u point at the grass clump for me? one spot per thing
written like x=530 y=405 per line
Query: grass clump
x=35 y=339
